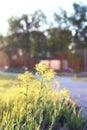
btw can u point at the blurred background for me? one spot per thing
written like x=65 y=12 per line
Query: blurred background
x=53 y=32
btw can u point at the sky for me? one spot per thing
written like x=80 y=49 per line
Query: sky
x=10 y=8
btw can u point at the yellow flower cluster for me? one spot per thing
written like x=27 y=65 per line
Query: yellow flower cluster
x=41 y=68
x=65 y=93
x=45 y=71
x=26 y=77
x=49 y=74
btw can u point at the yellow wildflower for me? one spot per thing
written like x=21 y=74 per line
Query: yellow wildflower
x=41 y=68
x=26 y=77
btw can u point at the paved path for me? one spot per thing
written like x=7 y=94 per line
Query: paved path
x=78 y=89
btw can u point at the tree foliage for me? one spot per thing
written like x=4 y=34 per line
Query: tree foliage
x=79 y=23
x=61 y=19
x=27 y=22
x=59 y=39
x=25 y=32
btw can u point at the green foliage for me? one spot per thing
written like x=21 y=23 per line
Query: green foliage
x=59 y=39
x=32 y=104
x=25 y=32
x=78 y=20
x=27 y=22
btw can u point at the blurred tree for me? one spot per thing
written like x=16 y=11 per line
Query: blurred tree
x=39 y=44
x=61 y=19
x=59 y=36
x=79 y=23
x=38 y=19
x=14 y=25
x=24 y=32
x=58 y=39
x=26 y=23
x=2 y=42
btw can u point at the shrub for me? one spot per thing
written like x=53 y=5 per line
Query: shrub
x=34 y=105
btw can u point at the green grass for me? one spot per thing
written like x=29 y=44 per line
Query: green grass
x=6 y=81
x=7 y=77
x=84 y=79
